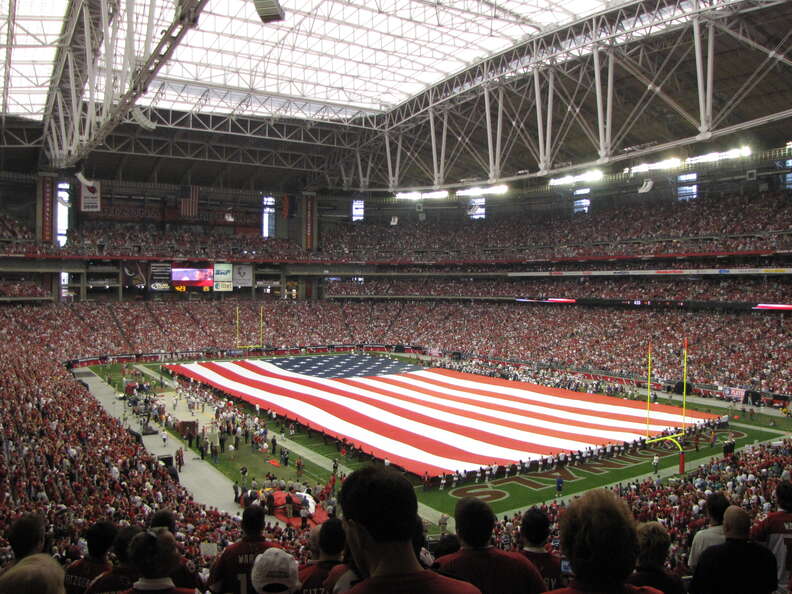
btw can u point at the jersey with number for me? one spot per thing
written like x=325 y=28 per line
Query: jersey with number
x=776 y=532
x=231 y=570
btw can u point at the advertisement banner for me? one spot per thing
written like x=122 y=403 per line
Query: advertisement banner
x=223 y=277
x=91 y=196
x=243 y=275
x=160 y=276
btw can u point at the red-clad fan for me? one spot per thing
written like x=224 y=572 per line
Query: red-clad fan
x=122 y=576
x=492 y=570
x=776 y=532
x=81 y=573
x=534 y=531
x=231 y=570
x=327 y=544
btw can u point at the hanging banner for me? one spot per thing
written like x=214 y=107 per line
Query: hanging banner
x=46 y=196
x=223 y=277
x=309 y=199
x=90 y=196
x=243 y=275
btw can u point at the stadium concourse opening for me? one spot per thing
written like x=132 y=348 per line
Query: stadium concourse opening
x=438 y=421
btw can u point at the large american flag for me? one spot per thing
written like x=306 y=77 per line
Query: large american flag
x=437 y=420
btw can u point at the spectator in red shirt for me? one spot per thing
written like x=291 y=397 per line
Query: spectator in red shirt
x=81 y=573
x=599 y=538
x=534 y=531
x=380 y=510
x=235 y=563
x=776 y=532
x=492 y=570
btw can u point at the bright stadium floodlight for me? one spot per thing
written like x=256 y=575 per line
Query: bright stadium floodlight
x=735 y=153
x=671 y=163
x=586 y=176
x=498 y=190
x=422 y=195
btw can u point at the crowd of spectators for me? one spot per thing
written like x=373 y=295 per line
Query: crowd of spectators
x=764 y=290
x=22 y=288
x=14 y=230
x=735 y=349
x=713 y=223
x=748 y=480
x=64 y=458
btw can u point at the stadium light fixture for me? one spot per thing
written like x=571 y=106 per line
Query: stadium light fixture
x=437 y=194
x=587 y=176
x=498 y=190
x=672 y=163
x=735 y=153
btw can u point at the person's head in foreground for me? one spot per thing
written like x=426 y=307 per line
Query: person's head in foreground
x=153 y=553
x=275 y=570
x=653 y=544
x=736 y=523
x=474 y=522
x=599 y=538
x=35 y=574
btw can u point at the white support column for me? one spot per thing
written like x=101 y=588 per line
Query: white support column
x=490 y=149
x=549 y=131
x=540 y=136
x=600 y=103
x=710 y=72
x=389 y=160
x=433 y=134
x=443 y=147
x=609 y=109
x=499 y=135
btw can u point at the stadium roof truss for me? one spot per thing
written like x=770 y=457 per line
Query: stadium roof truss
x=384 y=94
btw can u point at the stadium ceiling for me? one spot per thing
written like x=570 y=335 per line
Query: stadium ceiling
x=381 y=94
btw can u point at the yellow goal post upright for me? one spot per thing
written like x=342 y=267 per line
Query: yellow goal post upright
x=671 y=438
x=260 y=345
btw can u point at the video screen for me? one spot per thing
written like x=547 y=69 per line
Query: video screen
x=192 y=277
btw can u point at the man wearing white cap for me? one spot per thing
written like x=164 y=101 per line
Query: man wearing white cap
x=275 y=570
